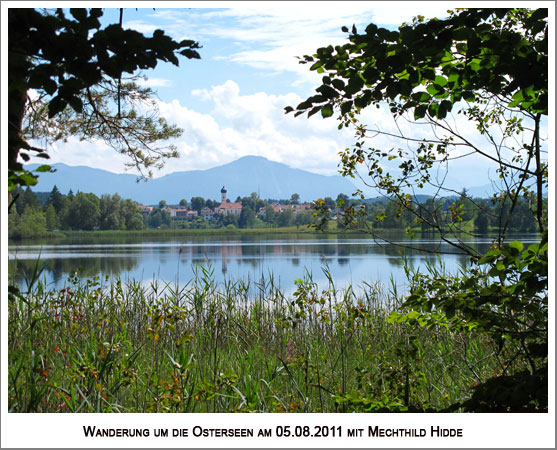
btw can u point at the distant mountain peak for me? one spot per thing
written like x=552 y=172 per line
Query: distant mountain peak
x=251 y=173
x=253 y=158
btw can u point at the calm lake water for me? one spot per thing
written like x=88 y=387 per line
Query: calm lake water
x=351 y=260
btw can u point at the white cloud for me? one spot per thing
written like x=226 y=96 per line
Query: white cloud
x=270 y=39
x=141 y=26
x=241 y=125
x=154 y=82
x=95 y=153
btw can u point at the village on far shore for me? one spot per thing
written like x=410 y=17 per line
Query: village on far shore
x=38 y=214
x=224 y=208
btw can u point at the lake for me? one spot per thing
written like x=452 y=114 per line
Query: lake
x=350 y=259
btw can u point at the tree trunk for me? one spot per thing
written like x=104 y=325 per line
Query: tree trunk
x=16 y=111
x=18 y=67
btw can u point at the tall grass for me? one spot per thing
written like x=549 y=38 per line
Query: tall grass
x=237 y=346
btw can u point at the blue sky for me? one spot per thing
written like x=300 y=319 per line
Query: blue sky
x=230 y=103
x=256 y=47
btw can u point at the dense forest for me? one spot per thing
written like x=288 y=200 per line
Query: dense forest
x=37 y=213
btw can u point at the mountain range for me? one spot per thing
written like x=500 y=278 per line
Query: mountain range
x=271 y=180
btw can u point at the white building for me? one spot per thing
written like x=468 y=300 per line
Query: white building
x=227 y=207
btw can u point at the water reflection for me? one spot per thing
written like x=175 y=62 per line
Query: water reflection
x=350 y=259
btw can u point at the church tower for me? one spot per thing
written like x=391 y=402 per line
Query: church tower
x=223 y=195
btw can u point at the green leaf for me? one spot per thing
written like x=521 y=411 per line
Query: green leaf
x=432 y=109
x=434 y=89
x=304 y=105
x=346 y=107
x=76 y=104
x=314 y=110
x=354 y=85
x=444 y=107
x=393 y=90
x=413 y=314
x=79 y=14
x=338 y=84
x=316 y=65
x=327 y=91
x=326 y=111
x=441 y=81
x=421 y=97
x=27 y=179
x=420 y=112
x=469 y=96
x=56 y=105
x=43 y=168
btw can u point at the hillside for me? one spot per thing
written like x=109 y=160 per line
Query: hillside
x=241 y=177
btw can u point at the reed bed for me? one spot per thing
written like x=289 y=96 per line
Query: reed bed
x=232 y=347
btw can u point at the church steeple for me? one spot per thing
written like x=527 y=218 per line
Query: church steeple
x=223 y=195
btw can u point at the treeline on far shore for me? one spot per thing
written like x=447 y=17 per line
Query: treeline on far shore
x=34 y=215
x=37 y=214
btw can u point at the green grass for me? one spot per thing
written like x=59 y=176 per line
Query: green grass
x=186 y=232
x=230 y=348
x=151 y=232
